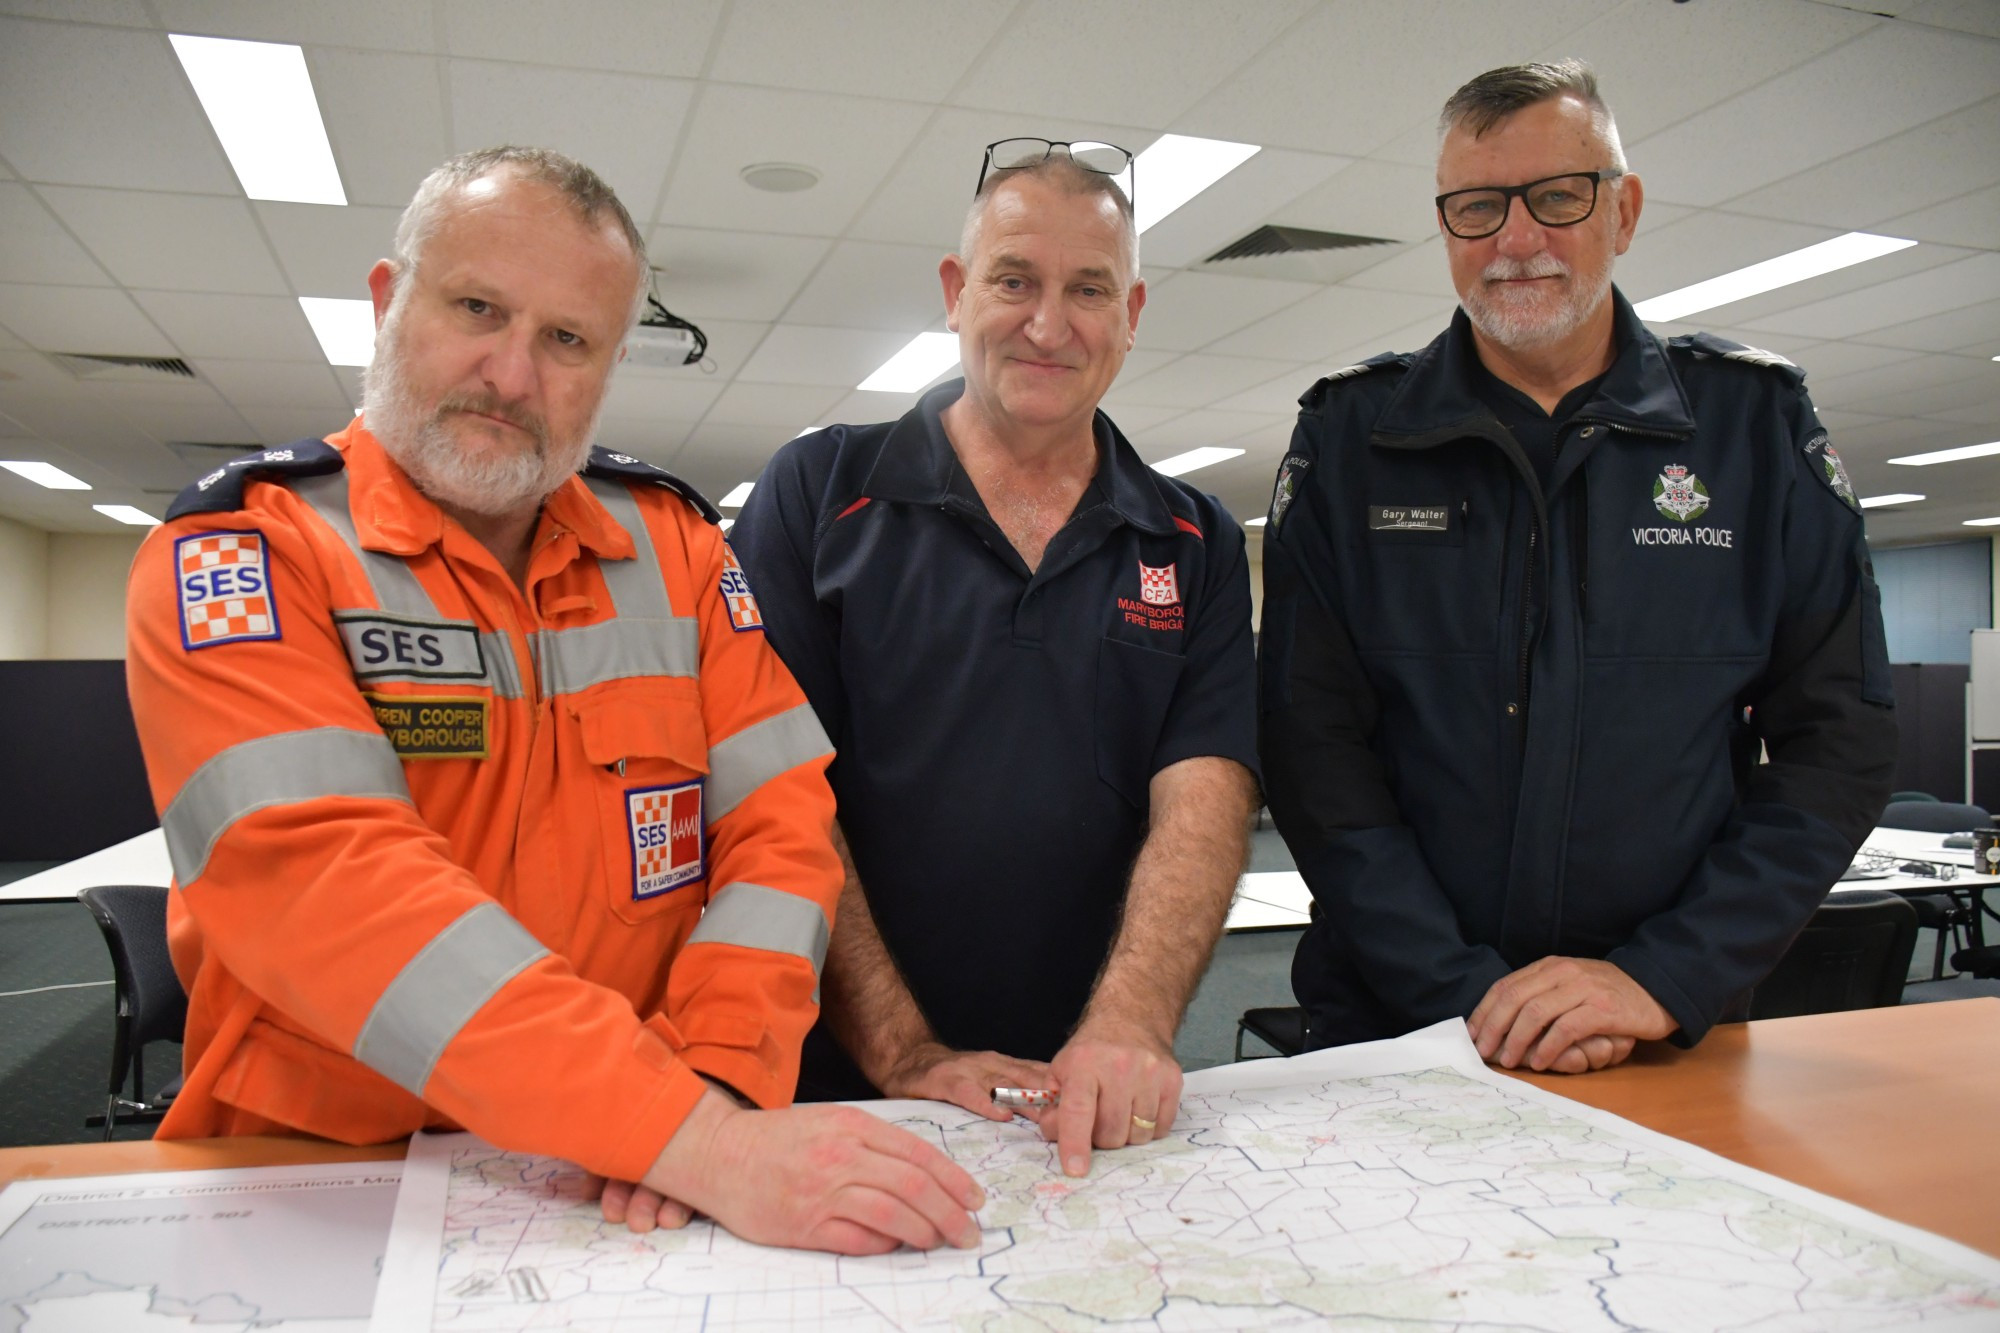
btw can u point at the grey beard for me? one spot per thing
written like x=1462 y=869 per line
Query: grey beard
x=1523 y=330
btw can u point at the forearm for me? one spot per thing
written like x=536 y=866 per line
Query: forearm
x=1178 y=896
x=864 y=998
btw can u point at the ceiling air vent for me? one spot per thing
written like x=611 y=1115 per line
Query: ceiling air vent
x=90 y=366
x=1267 y=241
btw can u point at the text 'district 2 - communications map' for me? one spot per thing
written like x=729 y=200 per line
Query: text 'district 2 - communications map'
x=1416 y=1191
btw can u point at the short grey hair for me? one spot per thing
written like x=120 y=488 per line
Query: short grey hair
x=1059 y=171
x=593 y=200
x=1498 y=93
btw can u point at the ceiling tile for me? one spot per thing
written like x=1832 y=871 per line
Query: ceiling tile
x=1145 y=61
x=734 y=274
x=269 y=328
x=643 y=394
x=1703 y=245
x=328 y=251
x=120 y=13
x=1421 y=270
x=868 y=285
x=651 y=441
x=1897 y=176
x=731 y=344
x=801 y=354
x=97 y=106
x=1880 y=392
x=1946 y=287
x=865 y=407
x=1828 y=361
x=371 y=25
x=1199 y=379
x=1369 y=198
x=851 y=141
x=1275 y=396
x=1754 y=312
x=1189 y=310
x=271 y=425
x=638 y=36
x=783 y=409
x=1976 y=16
x=1192 y=430
x=1973 y=328
x=275 y=384
x=622 y=126
x=1234 y=206
x=1660 y=63
x=34 y=247
x=1330 y=86
x=1312 y=329
x=919 y=48
x=717 y=455
x=1971 y=220
x=1890 y=79
x=96 y=320
x=384 y=115
x=171 y=242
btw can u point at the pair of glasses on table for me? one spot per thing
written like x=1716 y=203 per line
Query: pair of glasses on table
x=1107 y=159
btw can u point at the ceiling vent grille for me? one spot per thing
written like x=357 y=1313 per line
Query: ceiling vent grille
x=91 y=366
x=1267 y=241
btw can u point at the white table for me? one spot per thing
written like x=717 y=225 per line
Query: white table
x=140 y=860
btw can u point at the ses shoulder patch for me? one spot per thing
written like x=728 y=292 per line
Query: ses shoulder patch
x=223 y=583
x=736 y=595
x=221 y=491
x=624 y=467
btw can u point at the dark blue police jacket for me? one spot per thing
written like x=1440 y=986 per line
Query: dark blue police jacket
x=1499 y=724
x=996 y=729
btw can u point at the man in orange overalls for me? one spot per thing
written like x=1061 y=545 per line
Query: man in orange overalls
x=488 y=804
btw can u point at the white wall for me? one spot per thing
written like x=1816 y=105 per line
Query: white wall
x=62 y=594
x=24 y=591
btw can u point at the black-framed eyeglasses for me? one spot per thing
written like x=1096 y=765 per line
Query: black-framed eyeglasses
x=1107 y=159
x=1553 y=201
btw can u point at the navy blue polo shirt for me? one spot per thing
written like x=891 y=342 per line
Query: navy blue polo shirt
x=996 y=729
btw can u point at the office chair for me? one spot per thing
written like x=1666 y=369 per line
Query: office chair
x=151 y=1004
x=1934 y=816
x=1853 y=954
x=1896 y=796
x=1281 y=1028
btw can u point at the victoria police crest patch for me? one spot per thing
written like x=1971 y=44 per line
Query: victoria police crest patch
x=1679 y=494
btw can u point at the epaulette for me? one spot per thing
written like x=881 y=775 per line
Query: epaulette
x=1317 y=394
x=222 y=490
x=624 y=467
x=1707 y=344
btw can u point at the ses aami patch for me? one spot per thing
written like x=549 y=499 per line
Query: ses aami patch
x=223 y=585
x=669 y=843
x=438 y=728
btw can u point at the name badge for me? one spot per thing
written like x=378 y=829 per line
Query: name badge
x=438 y=728
x=1409 y=518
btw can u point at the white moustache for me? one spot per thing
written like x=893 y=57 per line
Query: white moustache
x=1541 y=266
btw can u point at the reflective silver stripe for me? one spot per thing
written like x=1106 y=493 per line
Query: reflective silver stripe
x=744 y=762
x=638 y=591
x=502 y=672
x=396 y=587
x=284 y=769
x=759 y=918
x=568 y=660
x=438 y=991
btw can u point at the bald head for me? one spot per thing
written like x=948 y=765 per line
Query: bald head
x=1059 y=174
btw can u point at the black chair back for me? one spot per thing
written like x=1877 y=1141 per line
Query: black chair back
x=1853 y=954
x=133 y=918
x=1934 y=817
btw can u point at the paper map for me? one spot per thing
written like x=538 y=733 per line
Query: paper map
x=296 y=1249
x=1400 y=1185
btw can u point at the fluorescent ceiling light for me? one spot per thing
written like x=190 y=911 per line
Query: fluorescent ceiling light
x=727 y=524
x=1877 y=501
x=736 y=498
x=47 y=474
x=1981 y=523
x=1194 y=458
x=1948 y=455
x=127 y=514
x=1255 y=522
x=923 y=359
x=345 y=328
x=259 y=98
x=1177 y=168
x=1841 y=252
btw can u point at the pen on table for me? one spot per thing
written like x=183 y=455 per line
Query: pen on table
x=1019 y=1099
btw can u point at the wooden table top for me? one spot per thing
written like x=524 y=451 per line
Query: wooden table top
x=1896 y=1110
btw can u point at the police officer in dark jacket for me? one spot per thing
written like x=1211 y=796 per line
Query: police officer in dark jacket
x=1536 y=597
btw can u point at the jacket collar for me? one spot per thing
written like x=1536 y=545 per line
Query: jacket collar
x=392 y=515
x=1437 y=400
x=917 y=465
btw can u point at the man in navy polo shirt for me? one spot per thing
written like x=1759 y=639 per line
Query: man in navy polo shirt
x=1033 y=654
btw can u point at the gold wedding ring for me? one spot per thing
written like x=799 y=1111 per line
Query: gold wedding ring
x=1148 y=1125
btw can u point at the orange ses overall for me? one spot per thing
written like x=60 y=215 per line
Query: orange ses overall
x=446 y=854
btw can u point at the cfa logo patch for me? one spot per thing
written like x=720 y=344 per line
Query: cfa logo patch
x=736 y=595
x=1158 y=587
x=667 y=840
x=224 y=581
